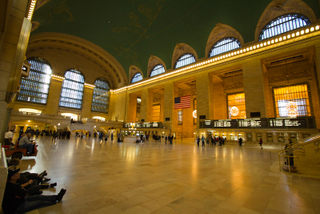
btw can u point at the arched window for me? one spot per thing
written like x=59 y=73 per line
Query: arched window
x=184 y=60
x=283 y=24
x=72 y=89
x=158 y=69
x=35 y=87
x=137 y=77
x=224 y=45
x=100 y=99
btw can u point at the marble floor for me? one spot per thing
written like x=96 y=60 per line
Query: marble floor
x=105 y=177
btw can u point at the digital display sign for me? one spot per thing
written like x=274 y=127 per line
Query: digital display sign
x=300 y=122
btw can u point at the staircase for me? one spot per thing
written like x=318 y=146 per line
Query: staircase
x=307 y=153
x=79 y=126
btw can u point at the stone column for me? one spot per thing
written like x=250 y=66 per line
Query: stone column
x=144 y=104
x=254 y=137
x=202 y=88
x=132 y=108
x=168 y=107
x=87 y=101
x=149 y=105
x=14 y=38
x=275 y=137
x=54 y=95
x=253 y=86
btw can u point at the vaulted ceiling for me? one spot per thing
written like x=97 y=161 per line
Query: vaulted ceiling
x=133 y=30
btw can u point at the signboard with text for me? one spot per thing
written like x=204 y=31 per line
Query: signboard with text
x=299 y=122
x=143 y=125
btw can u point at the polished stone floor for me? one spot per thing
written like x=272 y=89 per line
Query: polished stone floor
x=105 y=177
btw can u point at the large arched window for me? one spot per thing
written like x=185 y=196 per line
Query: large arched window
x=224 y=45
x=100 y=99
x=72 y=89
x=283 y=24
x=158 y=69
x=35 y=87
x=184 y=60
x=137 y=77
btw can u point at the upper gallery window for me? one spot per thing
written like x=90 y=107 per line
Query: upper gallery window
x=283 y=24
x=35 y=87
x=184 y=60
x=158 y=69
x=72 y=89
x=100 y=99
x=224 y=45
x=292 y=101
x=137 y=77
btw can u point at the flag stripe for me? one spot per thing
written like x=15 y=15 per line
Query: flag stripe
x=183 y=102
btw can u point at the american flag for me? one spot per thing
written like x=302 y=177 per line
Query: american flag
x=182 y=102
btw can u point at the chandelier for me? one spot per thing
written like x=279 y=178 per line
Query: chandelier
x=194 y=114
x=234 y=111
x=292 y=109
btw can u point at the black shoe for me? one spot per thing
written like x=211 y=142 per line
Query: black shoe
x=39 y=193
x=42 y=174
x=46 y=180
x=53 y=185
x=61 y=194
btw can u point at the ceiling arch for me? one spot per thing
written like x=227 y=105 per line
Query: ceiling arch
x=64 y=51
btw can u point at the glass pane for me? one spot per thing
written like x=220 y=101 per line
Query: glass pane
x=35 y=87
x=292 y=101
x=158 y=69
x=283 y=24
x=100 y=99
x=236 y=106
x=184 y=60
x=224 y=45
x=72 y=89
x=137 y=77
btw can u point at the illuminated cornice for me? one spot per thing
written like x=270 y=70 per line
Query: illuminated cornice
x=276 y=41
x=99 y=118
x=30 y=111
x=89 y=85
x=31 y=9
x=55 y=77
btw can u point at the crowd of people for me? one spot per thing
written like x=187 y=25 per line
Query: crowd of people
x=213 y=140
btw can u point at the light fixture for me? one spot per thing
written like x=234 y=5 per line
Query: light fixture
x=292 y=109
x=234 y=111
x=194 y=114
x=30 y=111
x=72 y=116
x=99 y=118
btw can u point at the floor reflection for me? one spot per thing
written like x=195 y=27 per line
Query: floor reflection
x=111 y=177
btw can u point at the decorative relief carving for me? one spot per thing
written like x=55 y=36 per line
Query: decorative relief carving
x=282 y=76
x=236 y=85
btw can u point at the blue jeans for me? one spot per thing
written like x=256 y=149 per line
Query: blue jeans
x=35 y=202
x=29 y=147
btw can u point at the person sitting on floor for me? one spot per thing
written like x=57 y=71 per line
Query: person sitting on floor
x=32 y=182
x=16 y=199
x=25 y=143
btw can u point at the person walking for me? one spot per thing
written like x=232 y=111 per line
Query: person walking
x=198 y=141
x=240 y=141
x=260 y=142
x=202 y=140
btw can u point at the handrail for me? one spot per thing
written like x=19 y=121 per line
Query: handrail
x=288 y=164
